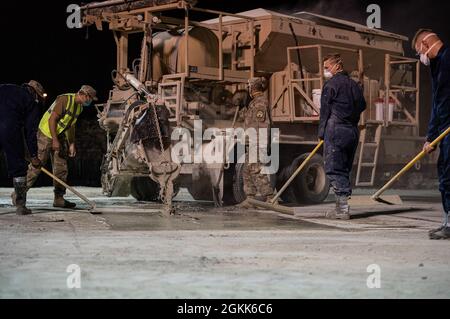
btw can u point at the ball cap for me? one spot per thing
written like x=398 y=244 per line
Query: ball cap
x=416 y=36
x=258 y=83
x=38 y=88
x=89 y=90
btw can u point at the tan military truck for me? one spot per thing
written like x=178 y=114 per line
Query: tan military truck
x=198 y=69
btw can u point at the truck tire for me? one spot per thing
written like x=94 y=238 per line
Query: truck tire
x=228 y=181
x=201 y=188
x=238 y=184
x=288 y=196
x=144 y=189
x=311 y=186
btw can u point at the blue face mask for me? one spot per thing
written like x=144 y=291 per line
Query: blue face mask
x=86 y=104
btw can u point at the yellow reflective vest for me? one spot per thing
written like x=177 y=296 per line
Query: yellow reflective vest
x=69 y=117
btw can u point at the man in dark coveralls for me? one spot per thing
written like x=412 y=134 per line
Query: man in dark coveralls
x=435 y=54
x=20 y=115
x=342 y=103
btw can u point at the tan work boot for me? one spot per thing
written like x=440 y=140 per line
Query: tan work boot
x=13 y=198
x=270 y=198
x=245 y=204
x=60 y=202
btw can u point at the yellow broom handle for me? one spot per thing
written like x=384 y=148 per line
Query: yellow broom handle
x=410 y=164
x=286 y=185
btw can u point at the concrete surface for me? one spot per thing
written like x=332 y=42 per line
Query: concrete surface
x=206 y=252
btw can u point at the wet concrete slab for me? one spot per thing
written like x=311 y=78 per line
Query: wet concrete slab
x=127 y=214
x=204 y=217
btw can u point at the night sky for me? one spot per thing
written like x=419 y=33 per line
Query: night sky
x=36 y=43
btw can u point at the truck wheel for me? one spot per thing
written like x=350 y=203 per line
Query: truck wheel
x=201 y=189
x=228 y=182
x=144 y=189
x=238 y=184
x=311 y=186
x=288 y=196
x=116 y=186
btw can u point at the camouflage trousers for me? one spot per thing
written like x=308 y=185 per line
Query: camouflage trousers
x=58 y=159
x=255 y=182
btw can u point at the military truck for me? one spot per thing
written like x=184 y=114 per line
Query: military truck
x=197 y=69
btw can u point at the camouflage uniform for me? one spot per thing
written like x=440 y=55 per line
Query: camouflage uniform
x=256 y=116
x=58 y=159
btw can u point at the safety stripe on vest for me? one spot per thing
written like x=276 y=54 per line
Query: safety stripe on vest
x=74 y=114
x=66 y=112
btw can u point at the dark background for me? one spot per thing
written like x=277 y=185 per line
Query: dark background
x=36 y=44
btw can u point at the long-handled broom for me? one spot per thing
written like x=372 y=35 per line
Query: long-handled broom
x=283 y=209
x=376 y=196
x=73 y=190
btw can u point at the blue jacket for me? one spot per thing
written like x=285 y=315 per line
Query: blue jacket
x=19 y=109
x=342 y=101
x=440 y=81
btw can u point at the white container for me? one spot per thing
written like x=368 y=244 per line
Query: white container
x=379 y=110
x=317 y=94
x=391 y=106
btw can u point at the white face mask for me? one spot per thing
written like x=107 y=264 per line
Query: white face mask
x=328 y=74
x=424 y=59
x=424 y=56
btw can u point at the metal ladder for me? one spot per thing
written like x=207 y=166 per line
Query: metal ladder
x=373 y=146
x=170 y=92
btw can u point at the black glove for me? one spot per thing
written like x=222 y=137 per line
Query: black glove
x=36 y=162
x=241 y=98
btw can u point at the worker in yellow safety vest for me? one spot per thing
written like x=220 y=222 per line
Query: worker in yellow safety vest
x=56 y=138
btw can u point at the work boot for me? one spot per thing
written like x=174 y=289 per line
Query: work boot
x=436 y=230
x=20 y=196
x=444 y=233
x=13 y=198
x=60 y=202
x=342 y=210
x=245 y=204
x=270 y=198
x=444 y=224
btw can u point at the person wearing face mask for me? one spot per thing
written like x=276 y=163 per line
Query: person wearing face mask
x=435 y=54
x=20 y=112
x=56 y=138
x=342 y=103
